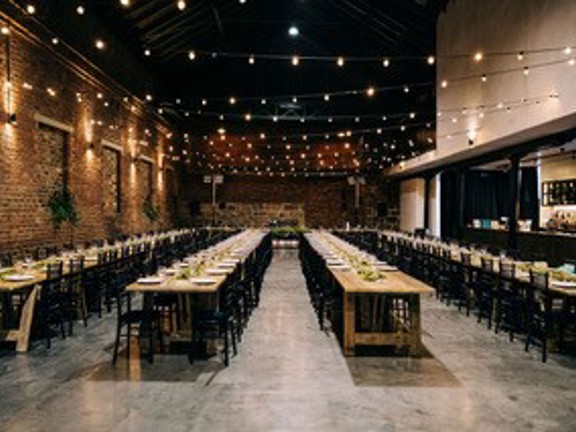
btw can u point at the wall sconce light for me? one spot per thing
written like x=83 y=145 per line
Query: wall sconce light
x=12 y=119
x=471 y=137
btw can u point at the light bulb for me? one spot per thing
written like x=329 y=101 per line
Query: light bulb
x=295 y=61
x=478 y=56
x=340 y=61
x=181 y=5
x=80 y=10
x=386 y=62
x=192 y=55
x=431 y=60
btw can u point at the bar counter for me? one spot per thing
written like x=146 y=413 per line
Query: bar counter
x=554 y=247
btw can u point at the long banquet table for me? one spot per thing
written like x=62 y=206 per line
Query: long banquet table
x=213 y=266
x=382 y=312
x=33 y=274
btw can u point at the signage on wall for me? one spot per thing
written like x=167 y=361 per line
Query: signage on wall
x=218 y=179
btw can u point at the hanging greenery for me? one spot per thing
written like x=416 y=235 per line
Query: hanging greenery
x=62 y=208
x=150 y=210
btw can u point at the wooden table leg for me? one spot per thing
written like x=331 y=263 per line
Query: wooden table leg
x=349 y=324
x=23 y=335
x=416 y=347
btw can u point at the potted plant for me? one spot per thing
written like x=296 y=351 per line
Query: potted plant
x=150 y=210
x=63 y=210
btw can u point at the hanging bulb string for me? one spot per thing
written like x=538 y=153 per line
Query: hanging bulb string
x=370 y=59
x=346 y=134
x=373 y=116
x=376 y=89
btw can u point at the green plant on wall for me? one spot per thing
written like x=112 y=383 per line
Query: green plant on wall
x=150 y=210
x=63 y=208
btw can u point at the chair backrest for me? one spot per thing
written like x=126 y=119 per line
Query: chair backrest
x=539 y=279
x=54 y=270
x=487 y=264
x=6 y=260
x=507 y=269
x=77 y=265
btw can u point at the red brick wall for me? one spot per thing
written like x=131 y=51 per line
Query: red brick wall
x=327 y=202
x=24 y=218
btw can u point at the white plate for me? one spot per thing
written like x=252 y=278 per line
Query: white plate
x=231 y=261
x=387 y=268
x=227 y=265
x=217 y=271
x=564 y=284
x=203 y=281
x=340 y=267
x=171 y=272
x=150 y=281
x=19 y=277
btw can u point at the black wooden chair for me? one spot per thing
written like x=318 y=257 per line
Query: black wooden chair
x=216 y=324
x=484 y=291
x=52 y=304
x=545 y=314
x=147 y=320
x=508 y=303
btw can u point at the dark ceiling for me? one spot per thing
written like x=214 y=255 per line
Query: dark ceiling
x=348 y=28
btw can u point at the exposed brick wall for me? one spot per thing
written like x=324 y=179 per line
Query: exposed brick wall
x=327 y=202
x=256 y=214
x=110 y=188
x=29 y=154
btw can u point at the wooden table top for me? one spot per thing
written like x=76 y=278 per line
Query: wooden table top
x=393 y=282
x=246 y=240
x=36 y=270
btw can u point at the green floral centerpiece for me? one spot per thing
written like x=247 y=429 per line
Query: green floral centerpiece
x=7 y=272
x=370 y=274
x=184 y=274
x=199 y=268
x=562 y=276
x=363 y=268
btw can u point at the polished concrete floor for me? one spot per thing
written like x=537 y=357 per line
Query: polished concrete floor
x=290 y=376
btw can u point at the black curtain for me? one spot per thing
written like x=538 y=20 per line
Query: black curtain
x=487 y=195
x=449 y=199
x=529 y=205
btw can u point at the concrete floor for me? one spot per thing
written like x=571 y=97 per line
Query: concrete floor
x=290 y=376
